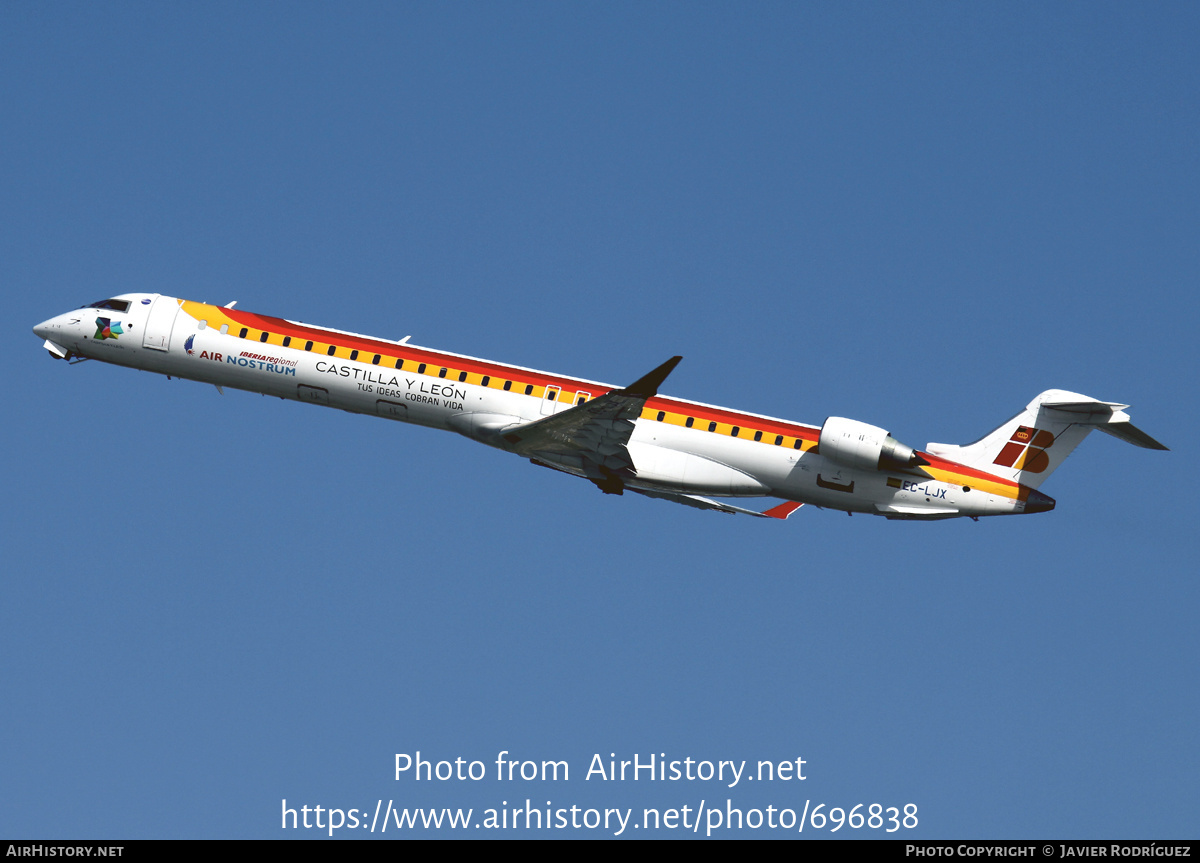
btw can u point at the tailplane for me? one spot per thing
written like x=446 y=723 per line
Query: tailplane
x=1031 y=445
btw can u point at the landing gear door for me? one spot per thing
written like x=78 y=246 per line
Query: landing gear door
x=316 y=395
x=160 y=321
x=391 y=410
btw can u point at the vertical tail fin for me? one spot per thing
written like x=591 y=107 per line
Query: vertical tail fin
x=1031 y=445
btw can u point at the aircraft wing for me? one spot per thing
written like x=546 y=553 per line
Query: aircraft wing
x=781 y=511
x=593 y=435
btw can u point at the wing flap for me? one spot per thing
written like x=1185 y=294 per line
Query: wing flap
x=782 y=511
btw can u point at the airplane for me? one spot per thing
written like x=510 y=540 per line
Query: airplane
x=619 y=438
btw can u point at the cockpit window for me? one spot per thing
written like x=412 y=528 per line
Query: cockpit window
x=112 y=305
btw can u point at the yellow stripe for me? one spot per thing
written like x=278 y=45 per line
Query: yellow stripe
x=745 y=432
x=975 y=483
x=215 y=316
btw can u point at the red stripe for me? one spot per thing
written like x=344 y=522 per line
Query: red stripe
x=498 y=370
x=962 y=470
x=723 y=415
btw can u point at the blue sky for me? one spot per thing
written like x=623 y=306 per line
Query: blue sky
x=916 y=215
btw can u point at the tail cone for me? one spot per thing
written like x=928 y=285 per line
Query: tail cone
x=1038 y=502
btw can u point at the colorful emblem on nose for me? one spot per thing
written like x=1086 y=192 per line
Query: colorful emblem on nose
x=106 y=329
x=187 y=346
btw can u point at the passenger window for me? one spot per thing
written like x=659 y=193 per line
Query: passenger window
x=263 y=337
x=308 y=346
x=224 y=329
x=376 y=360
x=778 y=440
x=662 y=415
x=796 y=445
x=528 y=389
x=758 y=435
x=551 y=395
x=242 y=334
x=399 y=363
x=735 y=431
x=486 y=380
x=442 y=373
x=712 y=426
x=507 y=386
x=582 y=397
x=691 y=421
x=421 y=369
x=353 y=355
x=331 y=350
x=287 y=340
x=462 y=376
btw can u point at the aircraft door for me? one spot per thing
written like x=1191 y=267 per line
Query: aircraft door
x=159 y=323
x=550 y=400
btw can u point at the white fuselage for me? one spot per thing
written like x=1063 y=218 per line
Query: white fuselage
x=676 y=445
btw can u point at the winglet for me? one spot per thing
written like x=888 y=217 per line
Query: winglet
x=783 y=510
x=647 y=385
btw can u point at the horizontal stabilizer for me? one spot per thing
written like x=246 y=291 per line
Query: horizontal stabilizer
x=1109 y=417
x=1130 y=433
x=1090 y=407
x=1031 y=445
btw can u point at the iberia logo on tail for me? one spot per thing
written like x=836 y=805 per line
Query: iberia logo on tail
x=1026 y=450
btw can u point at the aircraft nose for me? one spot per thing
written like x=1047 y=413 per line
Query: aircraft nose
x=1038 y=502
x=42 y=330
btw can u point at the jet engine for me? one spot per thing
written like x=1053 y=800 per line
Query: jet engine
x=866 y=447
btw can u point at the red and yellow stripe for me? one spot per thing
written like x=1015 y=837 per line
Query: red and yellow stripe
x=453 y=368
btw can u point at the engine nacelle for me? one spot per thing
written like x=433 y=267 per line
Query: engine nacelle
x=866 y=447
